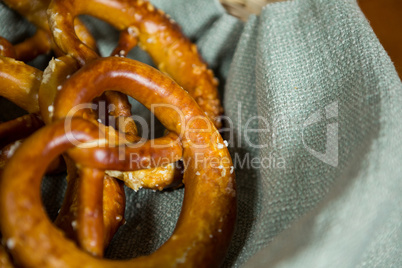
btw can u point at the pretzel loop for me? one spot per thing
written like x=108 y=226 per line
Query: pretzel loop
x=158 y=35
x=206 y=222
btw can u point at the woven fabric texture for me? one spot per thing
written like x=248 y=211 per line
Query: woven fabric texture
x=313 y=106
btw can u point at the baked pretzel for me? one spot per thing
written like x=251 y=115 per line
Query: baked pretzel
x=27 y=50
x=19 y=128
x=172 y=52
x=113 y=207
x=87 y=226
x=92 y=236
x=20 y=83
x=158 y=178
x=166 y=176
x=206 y=222
x=57 y=71
x=41 y=42
x=139 y=22
x=6 y=48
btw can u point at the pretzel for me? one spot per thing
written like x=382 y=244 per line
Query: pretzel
x=20 y=83
x=6 y=48
x=69 y=219
x=102 y=212
x=170 y=49
x=152 y=181
x=166 y=176
x=22 y=127
x=41 y=42
x=56 y=73
x=113 y=209
x=206 y=222
x=158 y=178
x=172 y=52
x=18 y=128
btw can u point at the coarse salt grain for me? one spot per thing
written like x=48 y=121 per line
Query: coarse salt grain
x=10 y=243
x=13 y=148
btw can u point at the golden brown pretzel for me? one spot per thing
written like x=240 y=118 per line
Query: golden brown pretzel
x=170 y=49
x=6 y=48
x=120 y=109
x=113 y=207
x=172 y=52
x=92 y=236
x=57 y=71
x=20 y=83
x=127 y=41
x=19 y=128
x=71 y=211
x=42 y=42
x=38 y=44
x=54 y=75
x=27 y=50
x=159 y=178
x=206 y=222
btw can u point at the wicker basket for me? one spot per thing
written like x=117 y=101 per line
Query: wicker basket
x=243 y=8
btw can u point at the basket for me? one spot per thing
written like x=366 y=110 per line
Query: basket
x=244 y=8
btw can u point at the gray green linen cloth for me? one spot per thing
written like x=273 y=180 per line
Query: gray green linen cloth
x=314 y=125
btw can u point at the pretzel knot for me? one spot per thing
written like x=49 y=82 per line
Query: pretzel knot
x=206 y=222
x=154 y=31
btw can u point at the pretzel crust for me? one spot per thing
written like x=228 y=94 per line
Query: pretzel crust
x=206 y=222
x=42 y=41
x=158 y=35
x=6 y=48
x=20 y=83
x=19 y=128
